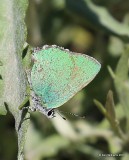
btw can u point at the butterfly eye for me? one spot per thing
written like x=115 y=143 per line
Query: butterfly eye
x=50 y=112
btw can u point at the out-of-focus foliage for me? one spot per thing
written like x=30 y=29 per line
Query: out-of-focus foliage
x=101 y=30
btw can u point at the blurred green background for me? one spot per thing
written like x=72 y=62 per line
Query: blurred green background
x=98 y=28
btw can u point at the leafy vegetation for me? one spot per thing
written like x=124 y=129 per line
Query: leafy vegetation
x=97 y=28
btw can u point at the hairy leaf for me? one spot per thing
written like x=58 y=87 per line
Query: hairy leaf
x=12 y=39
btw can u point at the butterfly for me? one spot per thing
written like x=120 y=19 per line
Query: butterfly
x=57 y=75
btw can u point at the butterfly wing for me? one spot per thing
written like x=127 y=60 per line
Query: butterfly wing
x=57 y=74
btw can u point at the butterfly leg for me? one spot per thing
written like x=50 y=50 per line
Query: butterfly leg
x=27 y=51
x=28 y=73
x=22 y=105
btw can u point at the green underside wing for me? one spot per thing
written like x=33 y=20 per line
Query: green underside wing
x=58 y=74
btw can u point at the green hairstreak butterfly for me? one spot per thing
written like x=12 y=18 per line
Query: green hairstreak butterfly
x=57 y=75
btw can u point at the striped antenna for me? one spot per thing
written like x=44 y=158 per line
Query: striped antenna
x=73 y=114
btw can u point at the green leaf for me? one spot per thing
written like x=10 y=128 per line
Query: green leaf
x=12 y=39
x=99 y=17
x=109 y=112
x=110 y=107
x=122 y=82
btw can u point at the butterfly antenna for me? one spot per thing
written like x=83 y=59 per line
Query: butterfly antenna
x=73 y=114
x=60 y=114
